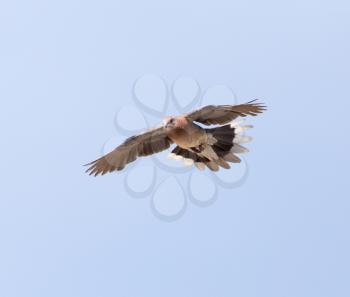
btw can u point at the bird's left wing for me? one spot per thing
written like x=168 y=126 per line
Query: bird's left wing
x=147 y=143
x=223 y=114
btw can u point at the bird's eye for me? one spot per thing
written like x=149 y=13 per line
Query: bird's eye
x=172 y=120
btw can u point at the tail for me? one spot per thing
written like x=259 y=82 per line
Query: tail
x=229 y=139
x=228 y=143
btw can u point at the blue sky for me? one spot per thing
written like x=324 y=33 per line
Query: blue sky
x=66 y=67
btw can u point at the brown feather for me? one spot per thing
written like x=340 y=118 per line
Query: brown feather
x=150 y=142
x=223 y=114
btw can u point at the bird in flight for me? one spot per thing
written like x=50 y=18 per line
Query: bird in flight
x=203 y=147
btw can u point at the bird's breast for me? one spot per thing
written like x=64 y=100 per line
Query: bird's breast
x=188 y=137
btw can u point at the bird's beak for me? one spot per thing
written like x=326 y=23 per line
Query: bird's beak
x=169 y=125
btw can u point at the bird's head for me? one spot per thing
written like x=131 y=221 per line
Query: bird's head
x=174 y=122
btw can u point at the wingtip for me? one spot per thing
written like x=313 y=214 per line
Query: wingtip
x=90 y=163
x=260 y=106
x=252 y=101
x=258 y=103
x=91 y=170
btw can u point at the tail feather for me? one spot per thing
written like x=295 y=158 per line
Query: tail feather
x=230 y=157
x=229 y=138
x=199 y=165
x=212 y=165
x=222 y=163
x=200 y=162
x=238 y=149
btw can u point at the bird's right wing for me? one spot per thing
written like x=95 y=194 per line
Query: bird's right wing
x=147 y=143
x=223 y=114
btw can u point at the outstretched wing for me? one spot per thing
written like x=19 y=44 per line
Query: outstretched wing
x=223 y=114
x=147 y=143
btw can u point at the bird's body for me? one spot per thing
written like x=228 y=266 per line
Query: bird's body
x=195 y=139
x=213 y=147
x=190 y=135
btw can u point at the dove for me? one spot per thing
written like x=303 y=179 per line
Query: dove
x=195 y=144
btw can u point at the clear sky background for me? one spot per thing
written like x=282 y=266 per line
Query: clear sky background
x=67 y=66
